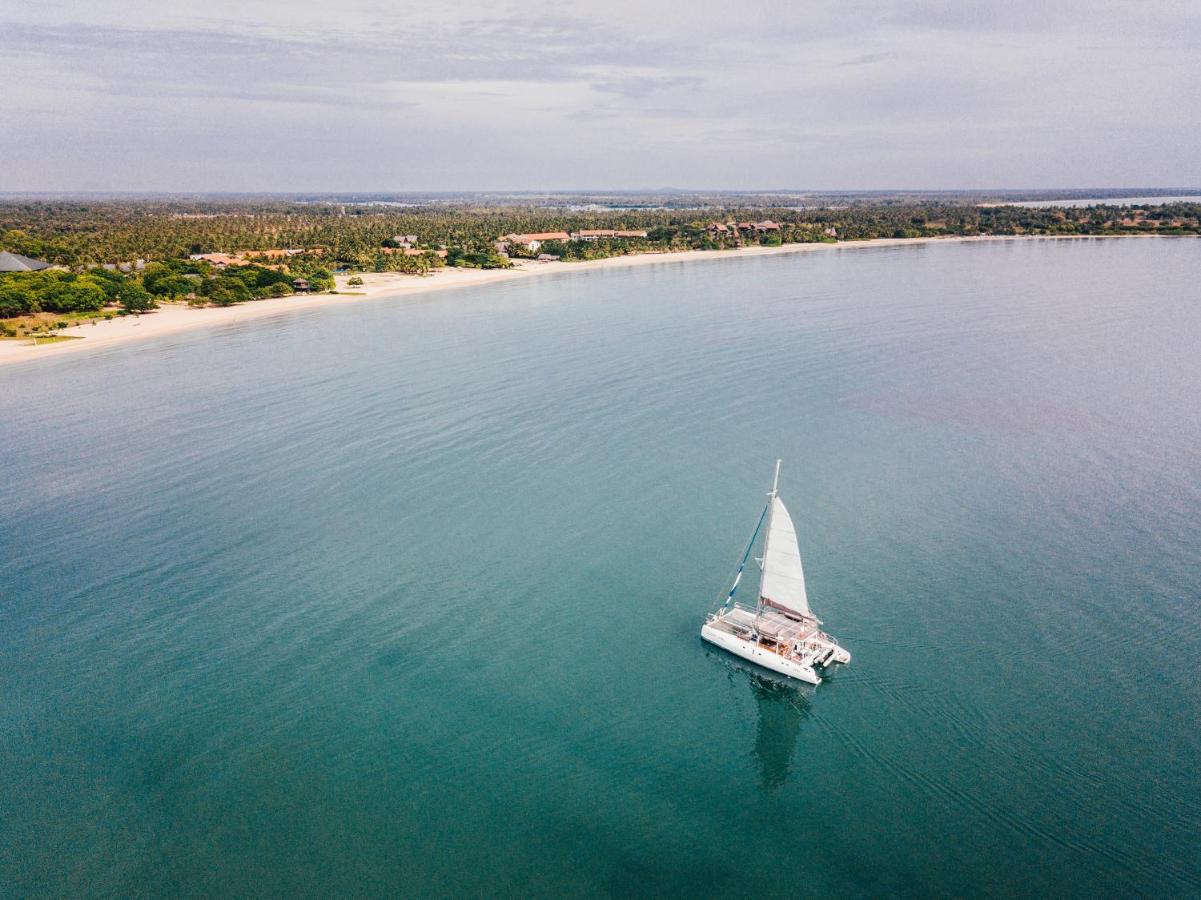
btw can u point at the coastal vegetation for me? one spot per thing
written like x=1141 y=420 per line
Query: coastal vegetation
x=60 y=290
x=127 y=256
x=486 y=258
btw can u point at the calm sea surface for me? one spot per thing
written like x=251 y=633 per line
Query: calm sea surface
x=402 y=598
x=1110 y=201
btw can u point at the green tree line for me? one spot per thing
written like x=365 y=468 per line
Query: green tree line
x=84 y=235
x=53 y=290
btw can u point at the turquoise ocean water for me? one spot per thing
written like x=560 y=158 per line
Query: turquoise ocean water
x=402 y=598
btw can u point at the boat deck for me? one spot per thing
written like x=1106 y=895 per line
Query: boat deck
x=741 y=622
x=797 y=645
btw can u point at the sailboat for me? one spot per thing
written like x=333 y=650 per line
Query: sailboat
x=780 y=632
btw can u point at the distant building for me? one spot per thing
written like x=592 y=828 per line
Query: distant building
x=412 y=251
x=595 y=234
x=533 y=241
x=245 y=257
x=220 y=260
x=300 y=285
x=718 y=228
x=765 y=226
x=402 y=239
x=831 y=231
x=547 y=257
x=15 y=262
x=273 y=254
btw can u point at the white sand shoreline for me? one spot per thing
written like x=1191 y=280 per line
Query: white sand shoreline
x=176 y=318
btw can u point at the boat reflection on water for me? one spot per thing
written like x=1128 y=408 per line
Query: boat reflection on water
x=782 y=707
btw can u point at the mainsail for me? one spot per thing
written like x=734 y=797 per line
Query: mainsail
x=783 y=581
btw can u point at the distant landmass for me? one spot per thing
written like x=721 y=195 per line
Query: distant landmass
x=666 y=197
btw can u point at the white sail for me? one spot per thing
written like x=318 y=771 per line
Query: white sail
x=783 y=580
x=781 y=633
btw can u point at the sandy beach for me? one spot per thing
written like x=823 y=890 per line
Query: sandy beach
x=177 y=317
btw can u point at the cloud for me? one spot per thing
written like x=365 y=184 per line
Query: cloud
x=510 y=48
x=867 y=59
x=637 y=86
x=855 y=93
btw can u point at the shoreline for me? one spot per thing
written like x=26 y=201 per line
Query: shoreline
x=176 y=318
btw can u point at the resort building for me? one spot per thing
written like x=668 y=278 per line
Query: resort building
x=595 y=234
x=15 y=262
x=412 y=251
x=273 y=254
x=533 y=241
x=136 y=266
x=220 y=260
x=246 y=257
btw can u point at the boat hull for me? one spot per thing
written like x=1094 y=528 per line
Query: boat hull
x=759 y=655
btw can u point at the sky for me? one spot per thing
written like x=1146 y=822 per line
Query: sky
x=356 y=95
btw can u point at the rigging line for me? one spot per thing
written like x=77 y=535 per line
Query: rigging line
x=747 y=554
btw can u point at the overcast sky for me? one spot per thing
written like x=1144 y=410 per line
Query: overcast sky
x=266 y=95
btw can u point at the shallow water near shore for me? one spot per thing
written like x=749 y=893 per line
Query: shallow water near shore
x=403 y=598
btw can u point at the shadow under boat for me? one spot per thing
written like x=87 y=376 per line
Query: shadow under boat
x=782 y=706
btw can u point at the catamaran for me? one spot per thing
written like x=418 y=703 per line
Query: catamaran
x=780 y=633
